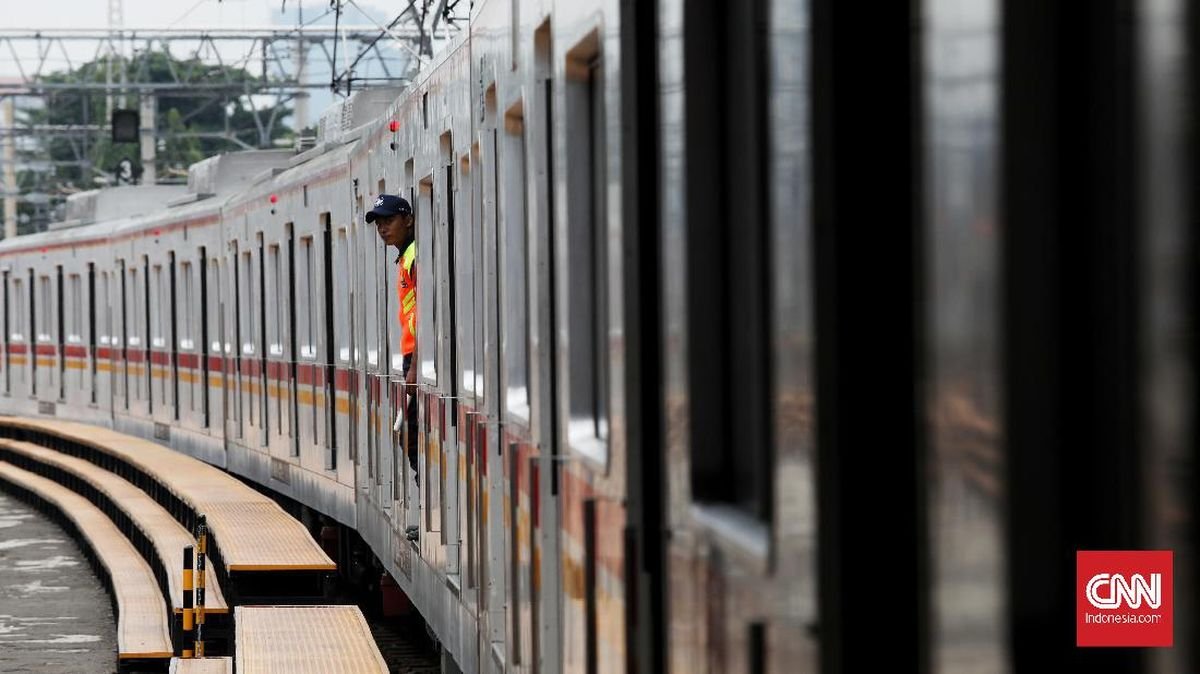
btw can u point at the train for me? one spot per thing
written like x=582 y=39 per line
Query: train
x=719 y=303
x=249 y=319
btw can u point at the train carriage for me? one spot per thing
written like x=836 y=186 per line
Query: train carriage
x=645 y=374
x=251 y=321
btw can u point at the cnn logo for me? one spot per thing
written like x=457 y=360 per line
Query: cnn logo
x=1110 y=591
x=1124 y=598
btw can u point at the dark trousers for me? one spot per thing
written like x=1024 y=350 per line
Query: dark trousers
x=410 y=421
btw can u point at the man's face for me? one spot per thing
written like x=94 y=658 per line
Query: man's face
x=394 y=229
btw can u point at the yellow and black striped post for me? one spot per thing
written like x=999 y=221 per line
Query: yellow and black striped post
x=201 y=550
x=186 y=639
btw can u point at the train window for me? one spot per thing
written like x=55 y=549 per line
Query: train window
x=275 y=302
x=18 y=310
x=343 y=264
x=542 y=277
x=483 y=309
x=246 y=278
x=427 y=282
x=156 y=309
x=728 y=287
x=306 y=311
x=515 y=282
x=44 y=306
x=587 y=246
x=75 y=322
x=187 y=338
x=465 y=282
x=19 y=331
x=963 y=391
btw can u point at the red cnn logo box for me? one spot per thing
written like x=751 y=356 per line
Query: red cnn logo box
x=1124 y=598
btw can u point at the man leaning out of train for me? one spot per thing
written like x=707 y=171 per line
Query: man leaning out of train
x=393 y=220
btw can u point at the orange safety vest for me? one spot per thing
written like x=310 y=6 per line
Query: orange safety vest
x=406 y=289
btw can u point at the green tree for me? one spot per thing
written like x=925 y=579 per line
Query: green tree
x=192 y=124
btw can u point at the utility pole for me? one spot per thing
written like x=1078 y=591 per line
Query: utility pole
x=10 y=169
x=116 y=21
x=149 y=143
x=301 y=112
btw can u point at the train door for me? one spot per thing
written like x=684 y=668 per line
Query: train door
x=340 y=368
x=93 y=304
x=249 y=359
x=356 y=427
x=546 y=582
x=59 y=331
x=211 y=334
x=385 y=404
x=513 y=279
x=6 y=339
x=462 y=542
x=258 y=313
x=372 y=307
x=326 y=355
x=278 y=323
x=119 y=340
x=61 y=298
x=185 y=347
x=309 y=374
x=448 y=412
x=176 y=312
x=44 y=360
x=496 y=568
x=17 y=374
x=429 y=442
x=31 y=287
x=232 y=341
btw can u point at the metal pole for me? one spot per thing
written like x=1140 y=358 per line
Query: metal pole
x=10 y=170
x=149 y=142
x=301 y=113
x=188 y=624
x=201 y=552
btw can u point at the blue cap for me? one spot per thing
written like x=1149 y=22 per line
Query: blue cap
x=387 y=205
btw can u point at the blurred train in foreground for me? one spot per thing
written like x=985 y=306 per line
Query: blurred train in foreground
x=714 y=304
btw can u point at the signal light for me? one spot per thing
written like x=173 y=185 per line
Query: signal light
x=393 y=126
x=125 y=124
x=274 y=198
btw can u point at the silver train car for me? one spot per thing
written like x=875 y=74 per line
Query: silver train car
x=714 y=304
x=250 y=320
